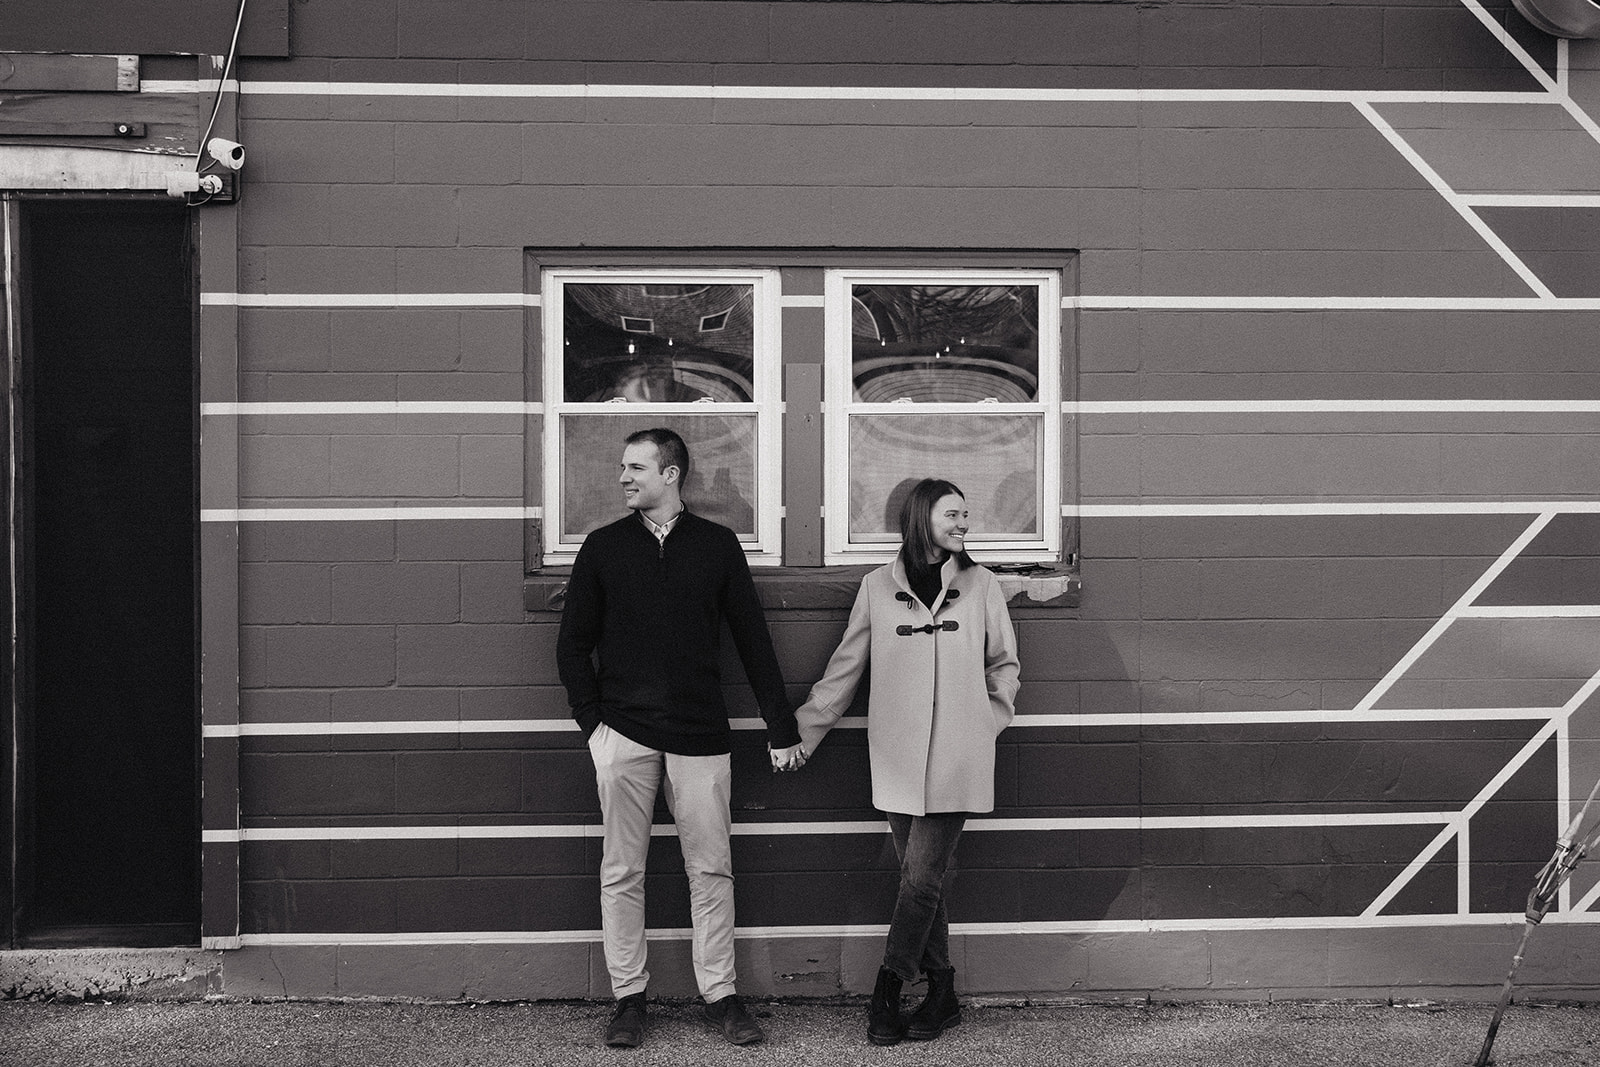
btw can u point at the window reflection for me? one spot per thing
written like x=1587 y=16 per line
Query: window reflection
x=945 y=343
x=678 y=343
x=995 y=459
x=722 y=469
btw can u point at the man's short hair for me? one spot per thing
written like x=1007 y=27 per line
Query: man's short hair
x=670 y=449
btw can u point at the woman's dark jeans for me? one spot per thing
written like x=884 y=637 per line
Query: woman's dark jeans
x=919 y=932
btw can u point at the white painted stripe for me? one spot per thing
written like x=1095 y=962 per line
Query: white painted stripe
x=1510 y=44
x=1070 y=407
x=1270 y=718
x=1422 y=859
x=1564 y=797
x=1588 y=899
x=1515 y=764
x=372 y=514
x=1531 y=199
x=368 y=300
x=1462 y=603
x=1275 y=407
x=1533 y=611
x=857 y=722
x=821 y=828
x=1091 y=511
x=1579 y=115
x=1487 y=793
x=374 y=407
x=1331 y=303
x=1103 y=302
x=401 y=726
x=1469 y=216
x=929 y=93
x=464 y=938
x=1324 y=508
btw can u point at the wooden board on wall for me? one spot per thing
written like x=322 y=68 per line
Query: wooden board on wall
x=163 y=123
x=41 y=72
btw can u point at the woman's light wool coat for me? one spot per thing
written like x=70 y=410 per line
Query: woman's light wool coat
x=938 y=700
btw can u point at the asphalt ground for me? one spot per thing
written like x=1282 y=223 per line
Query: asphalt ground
x=364 y=1034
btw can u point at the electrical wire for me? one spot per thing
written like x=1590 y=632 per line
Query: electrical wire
x=216 y=106
x=227 y=67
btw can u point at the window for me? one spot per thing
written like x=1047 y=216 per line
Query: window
x=950 y=374
x=813 y=388
x=625 y=350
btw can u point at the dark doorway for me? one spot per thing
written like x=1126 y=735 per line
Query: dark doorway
x=107 y=831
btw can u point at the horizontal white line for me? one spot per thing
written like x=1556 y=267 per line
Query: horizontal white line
x=372 y=514
x=372 y=727
x=1270 y=407
x=1332 y=303
x=369 y=300
x=1331 y=508
x=835 y=828
x=1092 y=511
x=1007 y=929
x=872 y=92
x=396 y=300
x=403 y=726
x=1290 y=717
x=374 y=407
x=1530 y=199
x=1532 y=611
x=1092 y=303
x=1070 y=407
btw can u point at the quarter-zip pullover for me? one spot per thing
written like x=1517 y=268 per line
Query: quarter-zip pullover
x=641 y=634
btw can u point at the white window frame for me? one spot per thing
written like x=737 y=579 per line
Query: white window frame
x=766 y=383
x=838 y=407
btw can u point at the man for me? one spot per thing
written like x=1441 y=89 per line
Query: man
x=638 y=654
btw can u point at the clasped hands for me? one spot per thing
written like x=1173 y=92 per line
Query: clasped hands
x=788 y=759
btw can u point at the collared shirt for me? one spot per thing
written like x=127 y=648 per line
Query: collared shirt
x=661 y=529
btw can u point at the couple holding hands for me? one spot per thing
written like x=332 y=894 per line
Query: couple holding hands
x=638 y=654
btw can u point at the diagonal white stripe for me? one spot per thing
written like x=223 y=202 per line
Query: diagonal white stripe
x=1510 y=44
x=1462 y=603
x=1412 y=869
x=1450 y=197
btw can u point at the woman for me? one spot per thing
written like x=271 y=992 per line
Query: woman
x=934 y=626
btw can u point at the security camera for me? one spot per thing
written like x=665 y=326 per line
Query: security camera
x=229 y=153
x=184 y=182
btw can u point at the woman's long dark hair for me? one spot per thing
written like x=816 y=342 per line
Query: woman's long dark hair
x=916 y=528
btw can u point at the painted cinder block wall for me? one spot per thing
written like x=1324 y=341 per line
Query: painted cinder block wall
x=1319 y=398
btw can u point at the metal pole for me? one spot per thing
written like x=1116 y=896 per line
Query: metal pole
x=1483 y=1059
x=1569 y=853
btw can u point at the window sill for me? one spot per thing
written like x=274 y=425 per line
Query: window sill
x=828 y=588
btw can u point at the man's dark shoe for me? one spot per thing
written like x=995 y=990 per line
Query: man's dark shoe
x=626 y=1029
x=729 y=1016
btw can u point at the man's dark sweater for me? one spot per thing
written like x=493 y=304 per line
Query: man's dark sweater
x=654 y=611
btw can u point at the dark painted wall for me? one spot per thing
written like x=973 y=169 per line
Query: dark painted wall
x=1287 y=191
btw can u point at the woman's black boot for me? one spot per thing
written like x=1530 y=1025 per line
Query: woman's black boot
x=939 y=1010
x=885 y=1024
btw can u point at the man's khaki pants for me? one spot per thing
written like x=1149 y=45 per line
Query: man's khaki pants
x=629 y=775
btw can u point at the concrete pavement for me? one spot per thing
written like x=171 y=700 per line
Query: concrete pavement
x=343 y=1034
